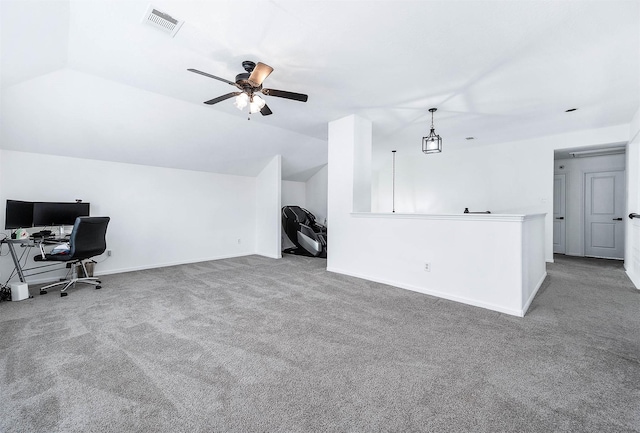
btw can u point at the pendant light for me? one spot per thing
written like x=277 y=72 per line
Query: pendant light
x=433 y=142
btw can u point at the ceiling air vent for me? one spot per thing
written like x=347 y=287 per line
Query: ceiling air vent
x=162 y=21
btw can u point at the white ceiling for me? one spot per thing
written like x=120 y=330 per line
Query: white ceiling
x=87 y=79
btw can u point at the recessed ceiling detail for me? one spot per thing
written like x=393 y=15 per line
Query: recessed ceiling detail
x=162 y=21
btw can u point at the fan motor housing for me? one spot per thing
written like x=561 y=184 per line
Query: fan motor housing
x=242 y=80
x=248 y=66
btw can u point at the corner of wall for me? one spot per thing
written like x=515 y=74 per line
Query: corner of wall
x=634 y=126
x=268 y=203
x=316 y=192
x=632 y=236
x=1 y=183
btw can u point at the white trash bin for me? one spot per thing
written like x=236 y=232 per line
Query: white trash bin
x=19 y=291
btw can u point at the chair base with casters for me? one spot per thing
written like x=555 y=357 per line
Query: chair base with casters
x=74 y=279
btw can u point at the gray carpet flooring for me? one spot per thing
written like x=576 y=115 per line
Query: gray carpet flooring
x=253 y=344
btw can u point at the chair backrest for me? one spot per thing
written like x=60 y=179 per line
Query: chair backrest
x=88 y=238
x=299 y=215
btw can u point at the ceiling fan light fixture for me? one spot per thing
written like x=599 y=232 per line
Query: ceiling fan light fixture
x=241 y=100
x=249 y=84
x=433 y=142
x=256 y=104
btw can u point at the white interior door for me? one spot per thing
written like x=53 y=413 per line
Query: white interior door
x=559 y=211
x=604 y=212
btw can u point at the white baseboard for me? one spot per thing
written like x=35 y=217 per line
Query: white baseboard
x=437 y=293
x=165 y=265
x=527 y=304
x=54 y=278
x=270 y=256
x=635 y=279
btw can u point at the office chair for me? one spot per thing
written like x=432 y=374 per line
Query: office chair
x=87 y=240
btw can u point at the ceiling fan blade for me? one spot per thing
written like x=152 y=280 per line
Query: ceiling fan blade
x=265 y=111
x=222 y=98
x=260 y=72
x=283 y=94
x=212 y=76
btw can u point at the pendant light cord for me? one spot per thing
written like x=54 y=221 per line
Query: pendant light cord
x=393 y=183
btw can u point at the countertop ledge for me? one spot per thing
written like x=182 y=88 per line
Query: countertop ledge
x=451 y=217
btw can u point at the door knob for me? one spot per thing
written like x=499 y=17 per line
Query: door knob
x=560 y=218
x=617 y=219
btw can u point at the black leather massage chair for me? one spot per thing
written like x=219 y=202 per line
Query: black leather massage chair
x=300 y=226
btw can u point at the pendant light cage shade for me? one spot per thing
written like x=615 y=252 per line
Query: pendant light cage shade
x=433 y=142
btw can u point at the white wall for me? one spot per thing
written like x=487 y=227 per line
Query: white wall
x=574 y=171
x=473 y=260
x=632 y=245
x=492 y=261
x=534 y=268
x=341 y=186
x=294 y=193
x=311 y=195
x=514 y=178
x=316 y=193
x=268 y=186
x=433 y=184
x=159 y=216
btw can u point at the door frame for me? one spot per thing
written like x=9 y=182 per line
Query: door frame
x=564 y=177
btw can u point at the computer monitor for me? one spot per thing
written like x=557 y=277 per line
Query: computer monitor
x=19 y=214
x=58 y=214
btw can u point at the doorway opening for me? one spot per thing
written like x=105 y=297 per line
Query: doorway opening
x=589 y=201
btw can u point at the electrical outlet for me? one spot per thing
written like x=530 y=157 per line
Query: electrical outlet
x=108 y=253
x=427 y=267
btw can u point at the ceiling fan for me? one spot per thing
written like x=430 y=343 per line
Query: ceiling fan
x=250 y=83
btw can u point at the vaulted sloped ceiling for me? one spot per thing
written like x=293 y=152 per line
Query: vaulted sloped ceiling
x=88 y=79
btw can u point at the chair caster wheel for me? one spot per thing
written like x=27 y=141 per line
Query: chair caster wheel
x=63 y=294
x=43 y=292
x=98 y=287
x=99 y=282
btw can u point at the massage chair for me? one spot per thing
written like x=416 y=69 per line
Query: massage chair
x=300 y=227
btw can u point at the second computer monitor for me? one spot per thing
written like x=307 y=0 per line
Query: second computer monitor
x=58 y=214
x=19 y=214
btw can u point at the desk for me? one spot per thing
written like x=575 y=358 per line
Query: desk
x=29 y=243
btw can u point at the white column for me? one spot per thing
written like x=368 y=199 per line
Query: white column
x=268 y=198
x=349 y=180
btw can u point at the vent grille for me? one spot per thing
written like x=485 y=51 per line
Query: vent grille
x=162 y=21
